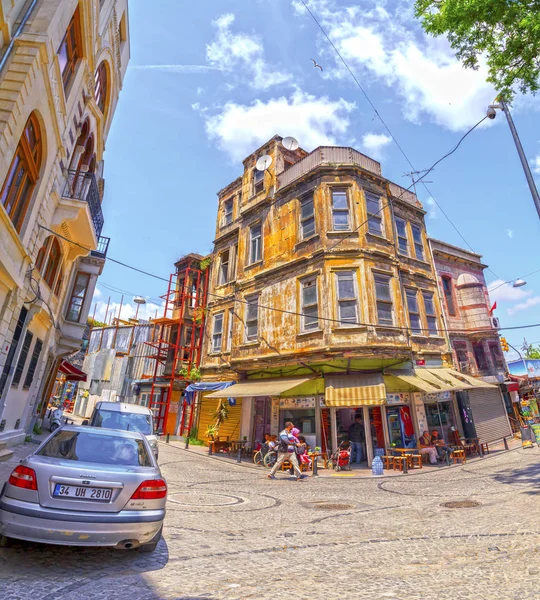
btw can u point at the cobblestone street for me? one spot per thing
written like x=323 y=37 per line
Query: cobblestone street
x=232 y=534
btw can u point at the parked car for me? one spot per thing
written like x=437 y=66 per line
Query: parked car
x=86 y=487
x=128 y=417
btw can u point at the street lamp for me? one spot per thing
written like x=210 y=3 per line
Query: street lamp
x=519 y=283
x=491 y=114
x=516 y=283
x=138 y=301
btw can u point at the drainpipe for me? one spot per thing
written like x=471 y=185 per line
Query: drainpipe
x=17 y=33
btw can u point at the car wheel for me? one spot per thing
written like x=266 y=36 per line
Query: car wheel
x=54 y=427
x=5 y=542
x=151 y=546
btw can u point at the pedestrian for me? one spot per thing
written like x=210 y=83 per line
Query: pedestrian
x=286 y=451
x=356 y=438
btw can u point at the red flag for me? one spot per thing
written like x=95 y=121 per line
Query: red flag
x=493 y=308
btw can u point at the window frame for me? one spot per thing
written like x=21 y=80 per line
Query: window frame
x=53 y=262
x=450 y=306
x=252 y=301
x=497 y=357
x=431 y=317
x=404 y=236
x=229 y=330
x=73 y=297
x=347 y=300
x=73 y=43
x=251 y=259
x=307 y=199
x=305 y=283
x=23 y=356
x=378 y=215
x=23 y=173
x=217 y=336
x=411 y=295
x=227 y=214
x=32 y=365
x=480 y=346
x=340 y=210
x=461 y=346
x=223 y=274
x=101 y=86
x=258 y=181
x=419 y=254
x=384 y=279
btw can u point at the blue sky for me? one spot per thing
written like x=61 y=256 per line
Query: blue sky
x=209 y=83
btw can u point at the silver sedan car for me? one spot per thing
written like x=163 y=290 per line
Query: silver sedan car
x=86 y=486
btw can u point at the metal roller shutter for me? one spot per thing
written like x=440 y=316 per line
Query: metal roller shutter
x=230 y=428
x=489 y=413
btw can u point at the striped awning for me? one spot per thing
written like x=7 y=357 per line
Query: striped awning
x=432 y=381
x=355 y=390
x=260 y=387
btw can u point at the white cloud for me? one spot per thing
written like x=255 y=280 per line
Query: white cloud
x=433 y=209
x=146 y=311
x=184 y=69
x=237 y=52
x=373 y=143
x=97 y=293
x=510 y=233
x=529 y=303
x=314 y=121
x=391 y=47
x=536 y=163
x=501 y=291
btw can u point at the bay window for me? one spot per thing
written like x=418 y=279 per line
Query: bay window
x=78 y=296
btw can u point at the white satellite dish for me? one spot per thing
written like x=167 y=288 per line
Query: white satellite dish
x=264 y=162
x=290 y=143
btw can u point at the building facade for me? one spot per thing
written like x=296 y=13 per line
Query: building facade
x=62 y=64
x=474 y=338
x=323 y=301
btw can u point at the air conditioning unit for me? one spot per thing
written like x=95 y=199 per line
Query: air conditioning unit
x=495 y=323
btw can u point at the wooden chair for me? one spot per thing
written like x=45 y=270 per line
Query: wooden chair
x=485 y=447
x=415 y=460
x=400 y=462
x=388 y=461
x=458 y=455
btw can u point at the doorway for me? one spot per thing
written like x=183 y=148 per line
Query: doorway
x=400 y=427
x=441 y=417
x=261 y=419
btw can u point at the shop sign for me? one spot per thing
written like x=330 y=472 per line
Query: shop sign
x=302 y=402
x=420 y=362
x=438 y=397
x=403 y=398
x=274 y=418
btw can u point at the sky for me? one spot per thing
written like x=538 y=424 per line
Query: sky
x=209 y=82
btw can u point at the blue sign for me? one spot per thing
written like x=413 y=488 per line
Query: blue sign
x=525 y=368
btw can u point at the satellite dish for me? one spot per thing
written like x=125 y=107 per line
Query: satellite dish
x=264 y=162
x=290 y=143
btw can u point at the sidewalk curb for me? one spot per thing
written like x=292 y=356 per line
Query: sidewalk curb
x=359 y=478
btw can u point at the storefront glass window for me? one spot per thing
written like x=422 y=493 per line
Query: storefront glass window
x=440 y=417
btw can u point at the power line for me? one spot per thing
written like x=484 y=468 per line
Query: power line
x=390 y=133
x=290 y=312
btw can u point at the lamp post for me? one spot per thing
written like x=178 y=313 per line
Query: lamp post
x=516 y=283
x=138 y=301
x=492 y=113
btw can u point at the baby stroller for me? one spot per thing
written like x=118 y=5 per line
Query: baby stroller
x=341 y=458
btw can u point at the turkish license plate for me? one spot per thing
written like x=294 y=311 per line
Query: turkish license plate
x=82 y=493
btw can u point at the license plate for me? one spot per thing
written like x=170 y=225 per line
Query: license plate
x=82 y=493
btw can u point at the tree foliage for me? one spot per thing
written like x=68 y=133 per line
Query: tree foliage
x=532 y=352
x=506 y=32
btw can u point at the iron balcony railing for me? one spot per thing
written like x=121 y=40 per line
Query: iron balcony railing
x=84 y=187
x=327 y=155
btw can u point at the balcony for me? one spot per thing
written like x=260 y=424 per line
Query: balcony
x=327 y=156
x=83 y=187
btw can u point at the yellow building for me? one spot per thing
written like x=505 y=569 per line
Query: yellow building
x=323 y=301
x=62 y=64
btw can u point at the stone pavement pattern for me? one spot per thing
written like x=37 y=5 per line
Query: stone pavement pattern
x=232 y=534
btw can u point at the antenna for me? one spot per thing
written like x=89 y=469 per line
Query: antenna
x=415 y=180
x=290 y=143
x=264 y=162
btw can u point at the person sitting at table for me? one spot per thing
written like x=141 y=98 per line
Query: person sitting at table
x=426 y=447
x=440 y=445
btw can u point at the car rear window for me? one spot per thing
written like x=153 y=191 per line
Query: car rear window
x=86 y=446
x=123 y=420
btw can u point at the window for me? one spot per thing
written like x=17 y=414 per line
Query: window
x=230 y=330
x=307 y=218
x=310 y=304
x=414 y=313
x=431 y=315
x=401 y=229
x=38 y=346
x=384 y=299
x=496 y=355
x=373 y=205
x=461 y=354
x=100 y=89
x=252 y=317
x=480 y=356
x=53 y=263
x=223 y=275
x=417 y=239
x=340 y=211
x=217 y=334
x=227 y=212
x=22 y=359
x=69 y=52
x=22 y=174
x=448 y=295
x=78 y=295
x=233 y=259
x=255 y=254
x=346 y=297
x=258 y=181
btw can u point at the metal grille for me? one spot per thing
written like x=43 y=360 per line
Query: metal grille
x=83 y=187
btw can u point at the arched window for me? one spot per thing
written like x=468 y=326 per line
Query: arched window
x=48 y=262
x=101 y=86
x=23 y=173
